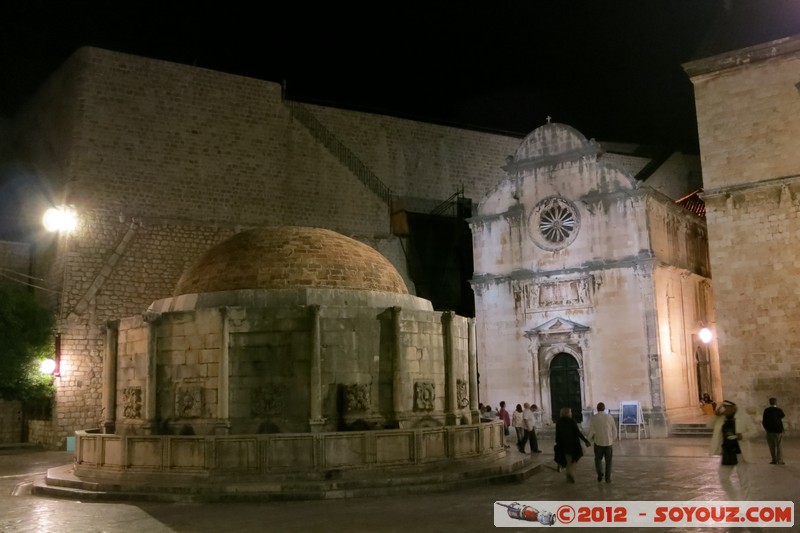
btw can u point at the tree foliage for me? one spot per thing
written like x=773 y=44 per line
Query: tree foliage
x=26 y=339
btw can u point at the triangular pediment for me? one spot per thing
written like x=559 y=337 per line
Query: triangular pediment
x=558 y=325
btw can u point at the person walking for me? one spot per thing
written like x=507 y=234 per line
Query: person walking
x=772 y=420
x=568 y=449
x=517 y=423
x=528 y=419
x=729 y=440
x=602 y=433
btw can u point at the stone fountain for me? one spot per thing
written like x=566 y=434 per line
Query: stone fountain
x=286 y=353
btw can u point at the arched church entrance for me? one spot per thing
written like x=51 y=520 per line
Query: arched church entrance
x=565 y=385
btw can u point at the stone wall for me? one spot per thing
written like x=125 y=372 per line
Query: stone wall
x=248 y=370
x=10 y=422
x=161 y=161
x=747 y=106
x=747 y=109
x=195 y=464
x=677 y=237
x=45 y=433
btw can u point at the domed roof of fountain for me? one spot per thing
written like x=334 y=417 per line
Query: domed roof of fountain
x=289 y=257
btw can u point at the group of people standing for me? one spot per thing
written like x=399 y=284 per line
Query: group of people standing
x=728 y=435
x=522 y=419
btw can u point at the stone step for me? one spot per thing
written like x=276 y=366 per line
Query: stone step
x=690 y=430
x=61 y=483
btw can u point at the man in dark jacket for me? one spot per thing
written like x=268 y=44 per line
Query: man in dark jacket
x=772 y=420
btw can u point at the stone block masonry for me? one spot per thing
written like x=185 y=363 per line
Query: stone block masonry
x=162 y=161
x=747 y=111
x=10 y=422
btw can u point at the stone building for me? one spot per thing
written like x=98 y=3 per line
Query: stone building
x=163 y=161
x=589 y=286
x=748 y=119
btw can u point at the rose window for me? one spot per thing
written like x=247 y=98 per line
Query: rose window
x=554 y=223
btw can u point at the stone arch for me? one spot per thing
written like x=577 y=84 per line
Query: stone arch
x=546 y=356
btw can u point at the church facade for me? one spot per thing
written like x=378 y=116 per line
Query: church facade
x=589 y=286
x=163 y=161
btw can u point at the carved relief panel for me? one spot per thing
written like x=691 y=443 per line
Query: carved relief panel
x=132 y=402
x=554 y=294
x=357 y=397
x=424 y=394
x=189 y=402
x=268 y=400
x=462 y=393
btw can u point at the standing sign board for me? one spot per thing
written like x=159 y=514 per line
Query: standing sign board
x=630 y=415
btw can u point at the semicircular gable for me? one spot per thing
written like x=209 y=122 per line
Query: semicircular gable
x=551 y=140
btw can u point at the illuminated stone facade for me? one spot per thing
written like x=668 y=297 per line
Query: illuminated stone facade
x=748 y=118
x=163 y=161
x=589 y=286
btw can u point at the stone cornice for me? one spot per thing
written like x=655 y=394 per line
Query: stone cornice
x=713 y=194
x=702 y=68
x=643 y=259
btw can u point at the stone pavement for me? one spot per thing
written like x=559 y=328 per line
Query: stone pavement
x=675 y=469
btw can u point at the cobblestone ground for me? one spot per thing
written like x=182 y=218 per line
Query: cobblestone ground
x=647 y=470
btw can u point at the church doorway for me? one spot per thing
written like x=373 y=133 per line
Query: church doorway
x=565 y=385
x=703 y=372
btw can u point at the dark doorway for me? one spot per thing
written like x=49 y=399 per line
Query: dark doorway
x=565 y=386
x=703 y=372
x=440 y=261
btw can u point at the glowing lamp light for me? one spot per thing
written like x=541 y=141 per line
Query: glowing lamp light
x=48 y=366
x=705 y=335
x=61 y=219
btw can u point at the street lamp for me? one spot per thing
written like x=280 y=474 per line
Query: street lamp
x=62 y=219
x=705 y=335
x=48 y=366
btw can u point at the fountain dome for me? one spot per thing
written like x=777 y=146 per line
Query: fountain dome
x=291 y=257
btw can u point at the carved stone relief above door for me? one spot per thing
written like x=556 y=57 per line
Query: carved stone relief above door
x=536 y=296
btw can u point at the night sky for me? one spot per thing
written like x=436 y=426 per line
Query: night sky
x=610 y=68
